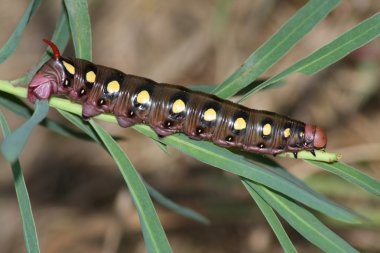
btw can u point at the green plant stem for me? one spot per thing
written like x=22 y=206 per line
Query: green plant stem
x=66 y=105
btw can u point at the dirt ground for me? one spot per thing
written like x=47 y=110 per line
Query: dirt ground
x=79 y=199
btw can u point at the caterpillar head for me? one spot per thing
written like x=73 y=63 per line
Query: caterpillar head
x=48 y=78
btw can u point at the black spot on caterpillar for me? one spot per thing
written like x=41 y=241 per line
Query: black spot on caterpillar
x=169 y=109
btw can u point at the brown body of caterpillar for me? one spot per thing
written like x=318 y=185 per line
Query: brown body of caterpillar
x=169 y=108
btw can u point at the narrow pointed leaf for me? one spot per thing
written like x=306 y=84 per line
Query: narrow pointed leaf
x=88 y=129
x=272 y=219
x=276 y=47
x=80 y=26
x=29 y=227
x=77 y=121
x=13 y=145
x=267 y=164
x=303 y=221
x=174 y=206
x=210 y=88
x=356 y=37
x=17 y=106
x=226 y=160
x=162 y=146
x=202 y=88
x=153 y=232
x=13 y=41
x=352 y=175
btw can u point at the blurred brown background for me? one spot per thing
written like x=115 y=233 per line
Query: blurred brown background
x=78 y=196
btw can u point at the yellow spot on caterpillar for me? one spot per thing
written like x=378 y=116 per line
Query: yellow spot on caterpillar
x=90 y=76
x=113 y=87
x=209 y=115
x=143 y=97
x=302 y=134
x=287 y=132
x=240 y=124
x=267 y=129
x=70 y=68
x=178 y=106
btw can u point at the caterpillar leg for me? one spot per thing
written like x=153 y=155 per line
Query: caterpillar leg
x=125 y=121
x=89 y=111
x=161 y=133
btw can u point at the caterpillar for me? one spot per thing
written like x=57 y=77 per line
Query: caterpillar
x=169 y=109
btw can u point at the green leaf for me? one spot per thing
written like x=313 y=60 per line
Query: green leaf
x=174 y=206
x=90 y=134
x=210 y=88
x=267 y=164
x=202 y=88
x=17 y=106
x=226 y=160
x=330 y=53
x=340 y=47
x=13 y=145
x=80 y=26
x=162 y=146
x=352 y=175
x=29 y=228
x=303 y=221
x=276 y=47
x=153 y=232
x=272 y=219
x=77 y=121
x=12 y=43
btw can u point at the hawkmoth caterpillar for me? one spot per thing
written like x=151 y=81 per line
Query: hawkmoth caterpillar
x=169 y=109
